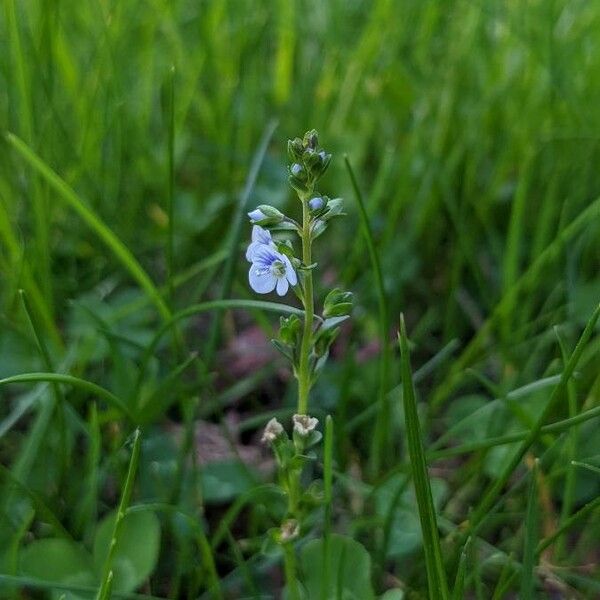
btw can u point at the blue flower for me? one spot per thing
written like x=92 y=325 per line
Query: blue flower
x=296 y=169
x=260 y=237
x=257 y=215
x=270 y=270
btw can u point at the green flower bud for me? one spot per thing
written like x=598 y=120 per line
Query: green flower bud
x=295 y=149
x=298 y=184
x=313 y=163
x=272 y=216
x=311 y=139
x=325 y=160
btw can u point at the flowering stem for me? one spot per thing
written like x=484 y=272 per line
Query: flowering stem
x=309 y=309
x=290 y=571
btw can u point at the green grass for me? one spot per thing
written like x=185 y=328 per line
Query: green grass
x=135 y=135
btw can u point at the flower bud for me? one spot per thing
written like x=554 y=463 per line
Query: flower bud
x=266 y=215
x=305 y=434
x=256 y=216
x=298 y=183
x=290 y=530
x=297 y=170
x=325 y=160
x=304 y=424
x=311 y=139
x=316 y=203
x=295 y=149
x=313 y=163
x=272 y=431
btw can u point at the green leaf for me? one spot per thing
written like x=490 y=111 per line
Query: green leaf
x=395 y=501
x=136 y=551
x=108 y=567
x=436 y=574
x=333 y=322
x=98 y=391
x=285 y=349
x=382 y=432
x=93 y=221
x=395 y=594
x=531 y=537
x=495 y=488
x=59 y=561
x=349 y=568
x=225 y=480
x=458 y=591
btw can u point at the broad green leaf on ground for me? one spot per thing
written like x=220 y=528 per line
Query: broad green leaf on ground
x=405 y=528
x=136 y=552
x=349 y=569
x=57 y=560
x=394 y=594
x=224 y=481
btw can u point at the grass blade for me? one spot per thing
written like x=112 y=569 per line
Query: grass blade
x=171 y=185
x=524 y=282
x=236 y=234
x=43 y=510
x=84 y=591
x=557 y=427
x=588 y=509
x=107 y=573
x=436 y=575
x=505 y=580
x=382 y=429
x=531 y=535
x=23 y=74
x=66 y=193
x=204 y=546
x=496 y=487
x=328 y=492
x=58 y=395
x=93 y=388
x=568 y=497
x=458 y=591
x=195 y=309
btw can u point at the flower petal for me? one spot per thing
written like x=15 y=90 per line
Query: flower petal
x=265 y=255
x=256 y=215
x=289 y=270
x=282 y=286
x=261 y=235
x=252 y=250
x=261 y=279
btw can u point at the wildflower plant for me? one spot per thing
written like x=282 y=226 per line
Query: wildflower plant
x=277 y=265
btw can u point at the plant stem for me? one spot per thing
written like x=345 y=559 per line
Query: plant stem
x=290 y=571
x=304 y=379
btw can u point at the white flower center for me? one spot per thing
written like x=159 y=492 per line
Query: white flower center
x=278 y=268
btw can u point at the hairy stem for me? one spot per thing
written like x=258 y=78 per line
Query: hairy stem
x=304 y=379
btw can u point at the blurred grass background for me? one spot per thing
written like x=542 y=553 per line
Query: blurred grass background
x=473 y=128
